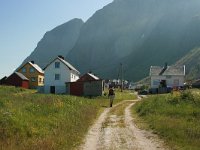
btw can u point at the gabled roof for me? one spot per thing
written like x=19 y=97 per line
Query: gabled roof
x=93 y=76
x=36 y=67
x=88 y=77
x=21 y=76
x=65 y=63
x=170 y=70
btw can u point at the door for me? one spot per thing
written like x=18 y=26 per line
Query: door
x=52 y=89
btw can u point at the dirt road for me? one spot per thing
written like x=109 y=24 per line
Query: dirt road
x=115 y=130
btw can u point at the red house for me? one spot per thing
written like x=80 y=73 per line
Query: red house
x=3 y=80
x=17 y=79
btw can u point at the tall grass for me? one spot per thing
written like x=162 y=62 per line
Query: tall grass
x=175 y=117
x=38 y=121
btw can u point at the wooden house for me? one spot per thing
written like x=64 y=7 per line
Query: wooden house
x=57 y=73
x=17 y=79
x=34 y=73
x=3 y=80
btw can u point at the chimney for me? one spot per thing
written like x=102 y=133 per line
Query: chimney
x=163 y=70
x=60 y=56
x=165 y=65
x=32 y=62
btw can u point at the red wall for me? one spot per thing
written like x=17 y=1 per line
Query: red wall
x=76 y=88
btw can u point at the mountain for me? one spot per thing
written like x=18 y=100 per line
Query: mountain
x=58 y=41
x=136 y=33
x=192 y=62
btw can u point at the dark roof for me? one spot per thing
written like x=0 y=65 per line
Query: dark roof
x=88 y=77
x=170 y=70
x=66 y=63
x=21 y=76
x=4 y=78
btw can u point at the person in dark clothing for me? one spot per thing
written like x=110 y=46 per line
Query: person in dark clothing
x=111 y=95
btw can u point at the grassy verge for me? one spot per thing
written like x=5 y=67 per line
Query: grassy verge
x=38 y=121
x=175 y=117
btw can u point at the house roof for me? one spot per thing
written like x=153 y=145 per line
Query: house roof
x=36 y=67
x=21 y=75
x=88 y=77
x=4 y=78
x=65 y=63
x=169 y=70
x=93 y=76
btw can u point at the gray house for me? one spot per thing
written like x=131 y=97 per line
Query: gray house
x=167 y=77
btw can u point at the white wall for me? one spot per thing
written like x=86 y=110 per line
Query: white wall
x=170 y=80
x=65 y=76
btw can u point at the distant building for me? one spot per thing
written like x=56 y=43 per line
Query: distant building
x=87 y=85
x=167 y=76
x=17 y=79
x=57 y=73
x=34 y=73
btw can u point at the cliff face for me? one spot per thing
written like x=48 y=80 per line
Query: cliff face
x=58 y=41
x=136 y=33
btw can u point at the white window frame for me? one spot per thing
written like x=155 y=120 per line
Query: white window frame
x=57 y=64
x=57 y=77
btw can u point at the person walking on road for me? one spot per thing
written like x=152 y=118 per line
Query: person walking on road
x=111 y=95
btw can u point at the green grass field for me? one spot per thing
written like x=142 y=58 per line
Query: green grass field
x=174 y=117
x=37 y=121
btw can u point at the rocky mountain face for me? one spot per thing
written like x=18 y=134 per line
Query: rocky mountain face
x=58 y=41
x=136 y=33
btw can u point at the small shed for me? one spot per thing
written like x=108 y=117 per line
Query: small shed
x=17 y=79
x=87 y=85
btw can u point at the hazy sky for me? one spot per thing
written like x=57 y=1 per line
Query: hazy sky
x=24 y=22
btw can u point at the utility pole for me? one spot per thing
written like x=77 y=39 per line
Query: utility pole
x=121 y=66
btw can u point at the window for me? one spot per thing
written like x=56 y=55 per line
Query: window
x=40 y=80
x=33 y=79
x=57 y=64
x=32 y=70
x=57 y=76
x=156 y=82
x=23 y=70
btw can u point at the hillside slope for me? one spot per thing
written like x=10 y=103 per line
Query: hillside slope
x=58 y=41
x=136 y=33
x=192 y=63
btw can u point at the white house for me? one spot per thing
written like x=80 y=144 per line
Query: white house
x=170 y=76
x=57 y=73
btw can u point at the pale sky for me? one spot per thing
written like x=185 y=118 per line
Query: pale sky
x=24 y=22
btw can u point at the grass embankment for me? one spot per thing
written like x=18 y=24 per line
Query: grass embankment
x=175 y=117
x=38 y=121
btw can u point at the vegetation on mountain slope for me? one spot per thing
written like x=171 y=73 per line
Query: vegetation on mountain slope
x=192 y=63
